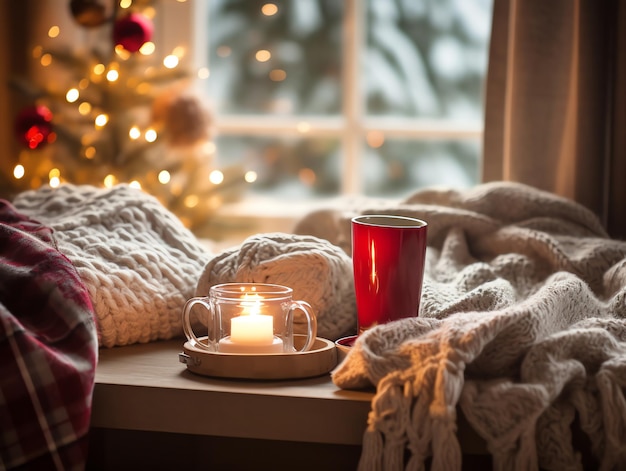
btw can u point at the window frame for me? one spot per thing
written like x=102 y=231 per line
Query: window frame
x=186 y=23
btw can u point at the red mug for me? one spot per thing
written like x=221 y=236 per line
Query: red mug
x=388 y=254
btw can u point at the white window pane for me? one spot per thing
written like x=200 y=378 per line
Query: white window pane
x=285 y=167
x=427 y=58
x=400 y=166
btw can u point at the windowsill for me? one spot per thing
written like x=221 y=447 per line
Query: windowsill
x=234 y=222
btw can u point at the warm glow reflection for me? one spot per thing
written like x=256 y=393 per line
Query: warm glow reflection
x=263 y=55
x=19 y=171
x=216 y=177
x=164 y=177
x=250 y=176
x=373 y=273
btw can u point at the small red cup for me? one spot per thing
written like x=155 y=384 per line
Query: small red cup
x=388 y=254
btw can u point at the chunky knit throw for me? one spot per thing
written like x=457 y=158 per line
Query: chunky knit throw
x=317 y=271
x=138 y=261
x=522 y=326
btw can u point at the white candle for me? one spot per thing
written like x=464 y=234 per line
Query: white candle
x=251 y=333
x=255 y=329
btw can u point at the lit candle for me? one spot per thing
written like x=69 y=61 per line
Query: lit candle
x=252 y=332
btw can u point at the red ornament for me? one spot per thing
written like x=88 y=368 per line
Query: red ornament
x=33 y=126
x=132 y=31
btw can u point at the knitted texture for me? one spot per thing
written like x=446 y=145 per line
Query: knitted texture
x=522 y=326
x=317 y=271
x=139 y=263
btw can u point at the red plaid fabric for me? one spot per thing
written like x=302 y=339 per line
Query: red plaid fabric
x=48 y=350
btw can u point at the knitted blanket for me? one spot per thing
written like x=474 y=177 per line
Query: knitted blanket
x=522 y=326
x=137 y=260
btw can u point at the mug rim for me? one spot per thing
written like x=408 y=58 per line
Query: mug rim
x=235 y=288
x=389 y=221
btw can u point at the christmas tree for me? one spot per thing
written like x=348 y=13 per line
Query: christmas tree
x=114 y=115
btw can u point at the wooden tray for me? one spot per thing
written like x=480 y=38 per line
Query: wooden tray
x=321 y=359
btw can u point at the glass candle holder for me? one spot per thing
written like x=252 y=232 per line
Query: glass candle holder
x=250 y=318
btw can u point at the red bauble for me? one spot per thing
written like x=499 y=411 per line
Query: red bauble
x=132 y=31
x=33 y=126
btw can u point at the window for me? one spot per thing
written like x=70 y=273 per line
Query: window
x=323 y=97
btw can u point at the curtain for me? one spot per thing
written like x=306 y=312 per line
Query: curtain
x=555 y=104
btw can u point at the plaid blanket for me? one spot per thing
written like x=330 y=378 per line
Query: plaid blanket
x=48 y=350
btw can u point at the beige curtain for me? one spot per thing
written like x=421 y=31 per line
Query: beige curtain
x=555 y=101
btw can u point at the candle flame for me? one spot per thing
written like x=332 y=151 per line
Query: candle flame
x=251 y=304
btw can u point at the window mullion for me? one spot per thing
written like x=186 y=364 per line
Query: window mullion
x=352 y=106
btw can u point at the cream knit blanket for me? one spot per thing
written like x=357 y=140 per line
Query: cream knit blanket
x=138 y=261
x=522 y=325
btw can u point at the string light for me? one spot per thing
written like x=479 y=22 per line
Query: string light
x=19 y=171
x=84 y=108
x=147 y=48
x=269 y=9
x=216 y=177
x=170 y=61
x=110 y=181
x=72 y=95
x=54 y=31
x=134 y=133
x=191 y=201
x=263 y=55
x=101 y=120
x=203 y=73
x=99 y=69
x=112 y=75
x=151 y=135
x=164 y=177
x=278 y=75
